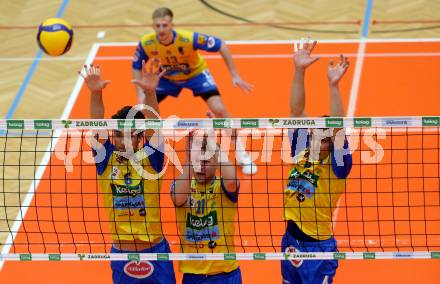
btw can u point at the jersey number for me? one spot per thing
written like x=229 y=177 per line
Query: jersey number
x=200 y=206
x=171 y=60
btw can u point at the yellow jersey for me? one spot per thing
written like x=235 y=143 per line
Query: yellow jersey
x=206 y=225
x=131 y=202
x=313 y=190
x=180 y=58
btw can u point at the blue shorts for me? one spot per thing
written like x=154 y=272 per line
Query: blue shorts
x=142 y=272
x=233 y=277
x=308 y=271
x=200 y=84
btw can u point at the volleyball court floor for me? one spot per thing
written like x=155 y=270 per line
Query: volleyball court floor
x=396 y=78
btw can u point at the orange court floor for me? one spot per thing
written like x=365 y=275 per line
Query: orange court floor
x=396 y=78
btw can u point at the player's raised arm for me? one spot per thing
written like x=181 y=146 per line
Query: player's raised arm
x=180 y=188
x=341 y=151
x=92 y=77
x=148 y=83
x=95 y=84
x=228 y=172
x=335 y=73
x=302 y=59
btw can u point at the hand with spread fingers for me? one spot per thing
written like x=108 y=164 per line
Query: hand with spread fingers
x=336 y=71
x=150 y=76
x=92 y=77
x=303 y=50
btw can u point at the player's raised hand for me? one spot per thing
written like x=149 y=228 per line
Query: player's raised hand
x=92 y=77
x=243 y=85
x=150 y=76
x=336 y=71
x=303 y=51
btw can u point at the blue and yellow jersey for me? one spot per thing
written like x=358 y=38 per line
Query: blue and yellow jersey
x=314 y=188
x=206 y=225
x=180 y=58
x=131 y=202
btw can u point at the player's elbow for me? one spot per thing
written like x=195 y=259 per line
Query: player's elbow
x=231 y=185
x=179 y=199
x=296 y=112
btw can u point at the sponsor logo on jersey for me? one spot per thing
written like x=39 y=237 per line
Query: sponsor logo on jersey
x=127 y=179
x=195 y=222
x=121 y=190
x=203 y=228
x=142 y=212
x=295 y=262
x=302 y=184
x=127 y=197
x=139 y=269
x=201 y=40
x=176 y=69
x=211 y=42
x=184 y=39
x=115 y=172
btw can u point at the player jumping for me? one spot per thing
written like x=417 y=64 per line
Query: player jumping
x=131 y=201
x=206 y=196
x=316 y=181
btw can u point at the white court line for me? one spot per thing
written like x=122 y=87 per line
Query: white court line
x=47 y=155
x=356 y=78
x=373 y=40
x=235 y=56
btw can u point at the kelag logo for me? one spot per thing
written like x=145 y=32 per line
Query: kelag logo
x=249 y=123
x=126 y=123
x=431 y=121
x=153 y=124
x=15 y=124
x=42 y=124
x=362 y=122
x=221 y=123
x=334 y=122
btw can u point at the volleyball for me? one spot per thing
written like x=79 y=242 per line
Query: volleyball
x=55 y=36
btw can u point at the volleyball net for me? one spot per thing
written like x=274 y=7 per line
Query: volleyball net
x=52 y=207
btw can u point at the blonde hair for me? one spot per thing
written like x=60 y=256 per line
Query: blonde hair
x=162 y=12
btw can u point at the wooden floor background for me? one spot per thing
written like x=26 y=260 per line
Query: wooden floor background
x=52 y=81
x=48 y=88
